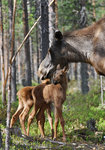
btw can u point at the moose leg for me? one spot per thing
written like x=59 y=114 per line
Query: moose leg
x=62 y=122
x=30 y=118
x=16 y=115
x=41 y=120
x=22 y=118
x=50 y=120
x=56 y=123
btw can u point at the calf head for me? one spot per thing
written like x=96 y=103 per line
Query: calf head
x=60 y=75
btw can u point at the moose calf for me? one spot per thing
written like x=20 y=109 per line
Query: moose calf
x=48 y=93
x=25 y=104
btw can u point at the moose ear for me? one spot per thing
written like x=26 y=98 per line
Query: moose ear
x=58 y=35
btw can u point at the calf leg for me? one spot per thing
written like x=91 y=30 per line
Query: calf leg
x=50 y=120
x=16 y=115
x=22 y=118
x=56 y=124
x=30 y=118
x=41 y=120
x=59 y=111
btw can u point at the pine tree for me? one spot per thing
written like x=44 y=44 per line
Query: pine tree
x=44 y=28
x=2 y=55
x=26 y=45
x=84 y=66
x=13 y=69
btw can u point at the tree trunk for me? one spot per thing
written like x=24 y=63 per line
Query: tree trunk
x=79 y=76
x=102 y=100
x=7 y=140
x=56 y=12
x=31 y=3
x=0 y=139
x=94 y=12
x=6 y=52
x=38 y=34
x=44 y=27
x=0 y=67
x=84 y=67
x=51 y=22
x=26 y=45
x=2 y=55
x=13 y=69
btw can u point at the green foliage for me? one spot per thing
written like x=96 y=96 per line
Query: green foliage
x=81 y=108
x=68 y=12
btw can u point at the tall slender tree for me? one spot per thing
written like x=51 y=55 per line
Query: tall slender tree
x=44 y=27
x=56 y=13
x=2 y=55
x=38 y=32
x=7 y=140
x=0 y=139
x=26 y=45
x=84 y=66
x=13 y=70
x=51 y=21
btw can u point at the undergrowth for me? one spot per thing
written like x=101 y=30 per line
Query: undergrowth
x=77 y=110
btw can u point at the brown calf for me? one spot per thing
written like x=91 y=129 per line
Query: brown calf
x=25 y=104
x=55 y=93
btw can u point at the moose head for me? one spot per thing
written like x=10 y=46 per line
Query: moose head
x=85 y=45
x=56 y=55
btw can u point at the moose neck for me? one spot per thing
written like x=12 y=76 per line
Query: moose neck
x=79 y=48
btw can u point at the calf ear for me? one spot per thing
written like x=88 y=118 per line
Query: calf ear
x=58 y=35
x=65 y=69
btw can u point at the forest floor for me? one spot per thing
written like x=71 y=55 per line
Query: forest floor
x=36 y=143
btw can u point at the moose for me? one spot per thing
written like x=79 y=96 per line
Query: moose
x=48 y=93
x=25 y=103
x=84 y=45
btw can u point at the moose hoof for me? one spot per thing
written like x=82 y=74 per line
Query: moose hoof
x=52 y=133
x=64 y=139
x=54 y=139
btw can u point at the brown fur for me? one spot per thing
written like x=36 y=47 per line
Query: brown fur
x=25 y=104
x=55 y=93
x=85 y=45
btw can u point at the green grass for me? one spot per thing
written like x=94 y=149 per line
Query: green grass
x=77 y=110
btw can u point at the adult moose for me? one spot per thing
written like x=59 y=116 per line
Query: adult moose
x=84 y=45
